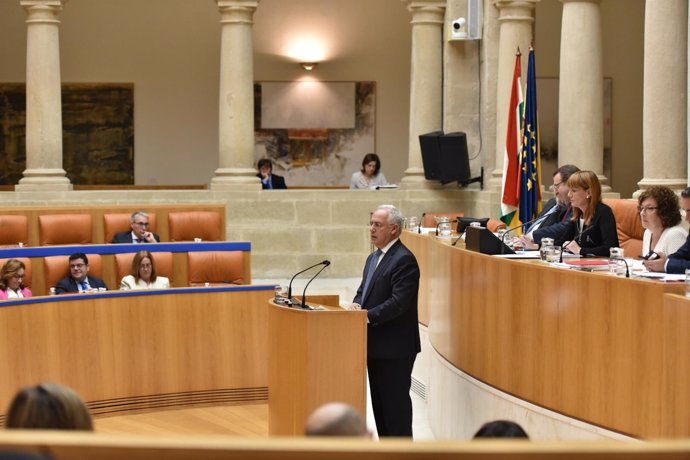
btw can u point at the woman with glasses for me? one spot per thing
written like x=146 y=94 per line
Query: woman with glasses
x=143 y=274
x=12 y=280
x=592 y=229
x=660 y=215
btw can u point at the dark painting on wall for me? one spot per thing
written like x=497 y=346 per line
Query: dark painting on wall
x=97 y=133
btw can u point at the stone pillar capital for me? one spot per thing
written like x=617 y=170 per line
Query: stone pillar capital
x=516 y=10
x=237 y=11
x=43 y=11
x=426 y=11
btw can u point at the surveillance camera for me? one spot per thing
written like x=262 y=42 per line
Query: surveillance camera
x=458 y=28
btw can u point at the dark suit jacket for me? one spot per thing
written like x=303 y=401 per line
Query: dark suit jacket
x=391 y=301
x=69 y=285
x=596 y=238
x=556 y=228
x=278 y=182
x=126 y=237
x=679 y=261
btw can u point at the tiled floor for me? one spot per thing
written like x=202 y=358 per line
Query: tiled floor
x=347 y=288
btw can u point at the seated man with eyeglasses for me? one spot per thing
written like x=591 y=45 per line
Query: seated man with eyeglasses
x=140 y=231
x=79 y=279
x=663 y=235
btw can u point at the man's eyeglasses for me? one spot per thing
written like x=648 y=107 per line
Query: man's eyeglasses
x=76 y=266
x=554 y=187
x=142 y=224
x=647 y=209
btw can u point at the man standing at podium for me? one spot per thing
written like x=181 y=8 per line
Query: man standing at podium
x=389 y=293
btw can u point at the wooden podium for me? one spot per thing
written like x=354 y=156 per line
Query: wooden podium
x=315 y=357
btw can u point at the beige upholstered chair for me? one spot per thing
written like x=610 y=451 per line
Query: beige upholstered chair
x=217 y=267
x=56 y=229
x=186 y=226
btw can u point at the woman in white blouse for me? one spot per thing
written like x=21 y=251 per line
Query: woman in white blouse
x=143 y=275
x=370 y=176
x=660 y=215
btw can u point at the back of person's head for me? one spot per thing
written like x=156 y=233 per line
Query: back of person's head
x=48 y=406
x=336 y=419
x=685 y=193
x=501 y=429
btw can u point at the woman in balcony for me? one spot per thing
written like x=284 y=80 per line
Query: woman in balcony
x=12 y=280
x=143 y=274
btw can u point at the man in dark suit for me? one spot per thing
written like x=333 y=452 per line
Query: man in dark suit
x=269 y=181
x=79 y=279
x=388 y=292
x=679 y=261
x=556 y=212
x=140 y=231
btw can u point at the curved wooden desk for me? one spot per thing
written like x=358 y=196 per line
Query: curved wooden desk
x=130 y=350
x=610 y=351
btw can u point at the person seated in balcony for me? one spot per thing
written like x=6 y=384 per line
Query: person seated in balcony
x=678 y=261
x=370 y=175
x=269 y=181
x=12 y=280
x=140 y=231
x=79 y=279
x=143 y=274
x=48 y=406
x=592 y=229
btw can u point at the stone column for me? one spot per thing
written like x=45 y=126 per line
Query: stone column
x=43 y=99
x=426 y=83
x=516 y=19
x=236 y=100
x=581 y=89
x=664 y=110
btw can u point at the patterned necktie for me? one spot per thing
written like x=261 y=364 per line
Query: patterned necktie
x=370 y=271
x=84 y=285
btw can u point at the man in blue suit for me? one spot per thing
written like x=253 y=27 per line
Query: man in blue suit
x=389 y=292
x=679 y=261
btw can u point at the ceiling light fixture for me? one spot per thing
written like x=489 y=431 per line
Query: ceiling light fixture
x=308 y=65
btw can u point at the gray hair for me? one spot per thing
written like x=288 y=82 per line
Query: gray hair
x=138 y=213
x=394 y=215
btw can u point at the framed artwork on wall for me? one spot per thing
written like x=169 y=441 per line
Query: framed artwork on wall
x=316 y=133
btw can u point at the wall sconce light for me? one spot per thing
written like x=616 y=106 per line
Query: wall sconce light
x=308 y=65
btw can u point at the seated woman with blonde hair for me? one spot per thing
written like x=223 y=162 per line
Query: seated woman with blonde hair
x=12 y=280
x=48 y=406
x=143 y=274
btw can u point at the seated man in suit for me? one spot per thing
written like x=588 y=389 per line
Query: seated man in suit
x=679 y=261
x=556 y=213
x=79 y=279
x=140 y=231
x=269 y=181
x=337 y=419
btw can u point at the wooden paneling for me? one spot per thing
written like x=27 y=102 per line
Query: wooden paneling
x=315 y=357
x=603 y=349
x=166 y=349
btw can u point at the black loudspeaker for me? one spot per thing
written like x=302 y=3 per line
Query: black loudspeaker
x=455 y=161
x=431 y=155
x=445 y=157
x=480 y=239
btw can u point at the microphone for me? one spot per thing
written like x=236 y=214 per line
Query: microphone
x=326 y=263
x=289 y=293
x=503 y=237
x=421 y=222
x=577 y=237
x=627 y=268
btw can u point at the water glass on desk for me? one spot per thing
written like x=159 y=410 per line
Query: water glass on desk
x=617 y=261
x=545 y=244
x=687 y=282
x=412 y=223
x=553 y=253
